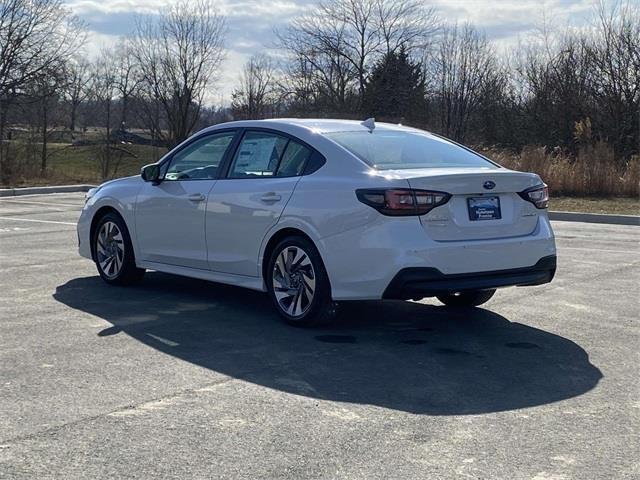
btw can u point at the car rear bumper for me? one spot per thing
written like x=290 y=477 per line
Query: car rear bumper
x=362 y=262
x=415 y=283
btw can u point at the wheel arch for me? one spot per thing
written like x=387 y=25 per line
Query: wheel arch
x=101 y=212
x=275 y=238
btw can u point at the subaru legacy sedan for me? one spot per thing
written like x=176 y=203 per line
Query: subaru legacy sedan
x=315 y=212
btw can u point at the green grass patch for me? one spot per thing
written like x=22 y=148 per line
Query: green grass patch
x=616 y=205
x=69 y=164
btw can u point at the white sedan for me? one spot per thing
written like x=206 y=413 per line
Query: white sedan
x=320 y=211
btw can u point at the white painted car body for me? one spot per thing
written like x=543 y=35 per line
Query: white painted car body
x=222 y=237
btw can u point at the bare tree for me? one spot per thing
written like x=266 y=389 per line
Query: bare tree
x=357 y=21
x=315 y=44
x=127 y=76
x=406 y=24
x=34 y=36
x=614 y=55
x=77 y=88
x=104 y=92
x=555 y=89
x=297 y=90
x=463 y=66
x=178 y=56
x=256 y=96
x=47 y=89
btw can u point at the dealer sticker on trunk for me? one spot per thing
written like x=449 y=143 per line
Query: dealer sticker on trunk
x=484 y=208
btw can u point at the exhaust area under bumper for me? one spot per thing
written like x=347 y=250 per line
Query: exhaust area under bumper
x=421 y=282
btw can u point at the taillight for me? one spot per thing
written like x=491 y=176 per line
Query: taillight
x=404 y=201
x=538 y=195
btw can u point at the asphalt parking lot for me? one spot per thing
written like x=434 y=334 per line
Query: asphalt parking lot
x=179 y=378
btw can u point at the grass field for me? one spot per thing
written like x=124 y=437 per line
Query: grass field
x=615 y=205
x=69 y=165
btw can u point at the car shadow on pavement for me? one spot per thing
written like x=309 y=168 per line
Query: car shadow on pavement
x=401 y=355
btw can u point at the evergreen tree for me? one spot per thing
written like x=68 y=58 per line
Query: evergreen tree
x=396 y=88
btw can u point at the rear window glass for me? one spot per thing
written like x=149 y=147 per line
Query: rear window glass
x=387 y=149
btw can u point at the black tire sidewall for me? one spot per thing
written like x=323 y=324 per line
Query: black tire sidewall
x=322 y=309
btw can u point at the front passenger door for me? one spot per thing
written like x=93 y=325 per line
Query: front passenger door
x=170 y=215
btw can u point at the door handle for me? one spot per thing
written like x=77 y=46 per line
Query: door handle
x=196 y=197
x=270 y=197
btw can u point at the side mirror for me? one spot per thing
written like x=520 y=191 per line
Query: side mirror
x=151 y=173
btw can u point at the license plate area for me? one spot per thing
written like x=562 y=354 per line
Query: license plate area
x=484 y=208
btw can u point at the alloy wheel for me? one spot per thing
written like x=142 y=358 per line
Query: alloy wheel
x=110 y=249
x=294 y=281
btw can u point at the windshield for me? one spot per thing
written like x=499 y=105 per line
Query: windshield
x=393 y=149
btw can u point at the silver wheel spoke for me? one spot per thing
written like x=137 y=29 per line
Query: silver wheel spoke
x=293 y=281
x=118 y=260
x=281 y=264
x=110 y=249
x=104 y=263
x=282 y=293
x=309 y=283
x=293 y=306
x=108 y=265
x=296 y=257
x=100 y=247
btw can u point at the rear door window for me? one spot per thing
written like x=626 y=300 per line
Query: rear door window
x=258 y=155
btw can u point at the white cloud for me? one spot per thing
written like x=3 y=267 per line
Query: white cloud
x=251 y=22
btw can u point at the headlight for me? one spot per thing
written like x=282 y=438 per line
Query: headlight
x=538 y=195
x=90 y=193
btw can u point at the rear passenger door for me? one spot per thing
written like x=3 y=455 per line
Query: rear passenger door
x=249 y=199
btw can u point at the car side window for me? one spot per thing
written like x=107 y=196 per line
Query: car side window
x=293 y=161
x=258 y=155
x=201 y=159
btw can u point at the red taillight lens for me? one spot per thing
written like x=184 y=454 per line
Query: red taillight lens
x=539 y=196
x=398 y=202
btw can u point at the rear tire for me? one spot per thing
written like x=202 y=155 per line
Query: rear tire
x=113 y=251
x=298 y=284
x=467 y=299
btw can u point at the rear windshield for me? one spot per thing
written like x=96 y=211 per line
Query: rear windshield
x=388 y=149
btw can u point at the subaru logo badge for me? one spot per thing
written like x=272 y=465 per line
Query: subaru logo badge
x=489 y=185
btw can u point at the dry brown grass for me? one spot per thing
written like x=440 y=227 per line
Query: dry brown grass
x=593 y=173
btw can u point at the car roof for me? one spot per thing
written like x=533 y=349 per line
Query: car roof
x=317 y=125
x=326 y=125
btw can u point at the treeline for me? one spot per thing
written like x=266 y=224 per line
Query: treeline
x=396 y=60
x=565 y=91
x=156 y=79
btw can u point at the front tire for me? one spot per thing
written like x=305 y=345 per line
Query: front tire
x=467 y=299
x=113 y=252
x=298 y=284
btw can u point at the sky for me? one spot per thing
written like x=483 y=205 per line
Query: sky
x=251 y=23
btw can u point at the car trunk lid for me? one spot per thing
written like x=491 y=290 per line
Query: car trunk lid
x=484 y=202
